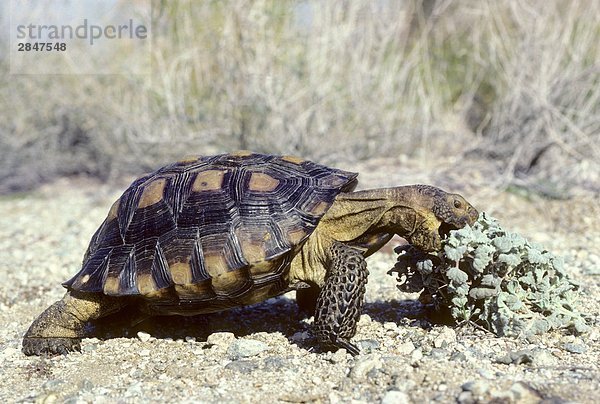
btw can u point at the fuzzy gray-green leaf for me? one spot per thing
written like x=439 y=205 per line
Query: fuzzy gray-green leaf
x=456 y=275
x=495 y=278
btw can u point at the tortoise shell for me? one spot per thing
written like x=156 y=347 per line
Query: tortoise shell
x=206 y=228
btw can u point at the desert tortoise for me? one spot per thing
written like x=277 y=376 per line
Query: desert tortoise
x=209 y=233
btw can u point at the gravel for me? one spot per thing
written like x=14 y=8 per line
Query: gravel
x=245 y=348
x=267 y=353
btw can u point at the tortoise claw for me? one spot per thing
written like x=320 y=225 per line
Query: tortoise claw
x=348 y=346
x=50 y=346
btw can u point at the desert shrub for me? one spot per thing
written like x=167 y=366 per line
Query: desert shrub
x=335 y=81
x=495 y=279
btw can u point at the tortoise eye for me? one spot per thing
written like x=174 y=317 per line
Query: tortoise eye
x=457 y=204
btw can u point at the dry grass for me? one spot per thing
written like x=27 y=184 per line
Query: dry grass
x=334 y=81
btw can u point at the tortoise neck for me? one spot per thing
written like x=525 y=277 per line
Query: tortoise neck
x=401 y=213
x=375 y=211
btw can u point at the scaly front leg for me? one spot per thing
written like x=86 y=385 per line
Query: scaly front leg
x=340 y=302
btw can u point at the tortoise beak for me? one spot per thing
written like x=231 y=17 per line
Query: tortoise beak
x=469 y=219
x=473 y=216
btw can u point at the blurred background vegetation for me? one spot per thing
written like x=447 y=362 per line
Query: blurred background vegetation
x=513 y=83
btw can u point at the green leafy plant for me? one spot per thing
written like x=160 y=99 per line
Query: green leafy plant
x=496 y=279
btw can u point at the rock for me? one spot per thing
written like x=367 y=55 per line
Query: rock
x=516 y=357
x=364 y=320
x=89 y=347
x=524 y=391
x=388 y=325
x=143 y=336
x=446 y=337
x=86 y=385
x=368 y=345
x=49 y=398
x=275 y=364
x=301 y=336
x=520 y=393
x=416 y=356
x=486 y=374
x=575 y=348
x=242 y=366
x=339 y=356
x=334 y=398
x=406 y=348
x=458 y=356
x=74 y=400
x=245 y=348
x=221 y=338
x=395 y=397
x=134 y=390
x=477 y=387
x=465 y=397
x=541 y=357
x=437 y=353
x=52 y=384
x=363 y=366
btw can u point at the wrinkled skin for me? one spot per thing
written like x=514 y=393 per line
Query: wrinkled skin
x=451 y=212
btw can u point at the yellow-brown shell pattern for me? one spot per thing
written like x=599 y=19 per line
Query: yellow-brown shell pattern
x=210 y=228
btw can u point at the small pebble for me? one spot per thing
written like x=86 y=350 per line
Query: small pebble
x=406 y=348
x=458 y=356
x=74 y=400
x=221 y=338
x=52 y=384
x=245 y=348
x=339 y=356
x=437 y=353
x=575 y=348
x=49 y=398
x=89 y=347
x=275 y=364
x=486 y=373
x=301 y=336
x=86 y=385
x=395 y=397
x=524 y=393
x=363 y=366
x=416 y=356
x=364 y=320
x=477 y=387
x=465 y=397
x=447 y=336
x=542 y=357
x=516 y=357
x=242 y=366
x=388 y=325
x=368 y=345
x=143 y=336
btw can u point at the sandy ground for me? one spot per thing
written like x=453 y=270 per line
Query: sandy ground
x=266 y=353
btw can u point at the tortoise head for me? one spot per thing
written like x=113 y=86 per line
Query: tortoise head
x=454 y=211
x=450 y=212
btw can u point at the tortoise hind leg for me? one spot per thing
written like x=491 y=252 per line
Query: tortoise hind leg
x=60 y=327
x=340 y=302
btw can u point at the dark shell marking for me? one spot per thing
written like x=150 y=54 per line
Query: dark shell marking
x=210 y=228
